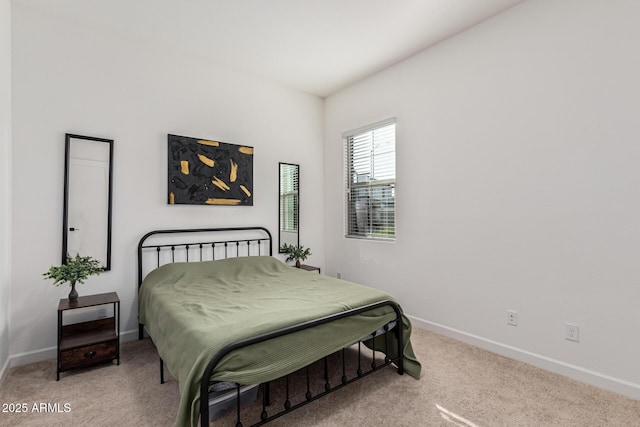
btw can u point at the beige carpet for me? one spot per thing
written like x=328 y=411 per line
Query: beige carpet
x=460 y=386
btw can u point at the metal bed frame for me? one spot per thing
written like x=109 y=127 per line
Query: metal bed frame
x=198 y=250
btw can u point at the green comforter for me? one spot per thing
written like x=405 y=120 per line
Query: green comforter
x=193 y=310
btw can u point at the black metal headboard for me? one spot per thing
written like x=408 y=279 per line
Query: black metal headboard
x=200 y=244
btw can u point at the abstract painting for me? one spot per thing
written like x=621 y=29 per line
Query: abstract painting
x=207 y=172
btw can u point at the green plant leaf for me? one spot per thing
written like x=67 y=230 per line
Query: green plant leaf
x=294 y=252
x=75 y=270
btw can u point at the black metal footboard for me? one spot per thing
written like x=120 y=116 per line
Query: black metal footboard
x=265 y=417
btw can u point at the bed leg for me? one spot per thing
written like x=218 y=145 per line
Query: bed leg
x=266 y=401
x=161 y=371
x=204 y=409
x=140 y=331
x=400 y=347
x=267 y=394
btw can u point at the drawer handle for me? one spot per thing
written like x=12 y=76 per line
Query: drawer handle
x=90 y=353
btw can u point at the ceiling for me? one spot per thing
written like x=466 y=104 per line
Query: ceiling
x=317 y=46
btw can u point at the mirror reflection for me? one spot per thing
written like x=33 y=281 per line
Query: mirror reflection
x=289 y=204
x=87 y=198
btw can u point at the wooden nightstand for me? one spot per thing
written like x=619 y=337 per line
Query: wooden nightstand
x=88 y=343
x=309 y=268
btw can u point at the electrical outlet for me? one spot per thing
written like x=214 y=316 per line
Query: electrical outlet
x=512 y=318
x=102 y=313
x=571 y=332
x=339 y=275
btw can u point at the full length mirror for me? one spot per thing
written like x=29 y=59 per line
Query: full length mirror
x=86 y=228
x=289 y=204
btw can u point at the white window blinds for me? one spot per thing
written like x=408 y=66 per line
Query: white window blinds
x=370 y=171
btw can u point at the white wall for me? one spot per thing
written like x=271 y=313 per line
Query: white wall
x=71 y=78
x=5 y=180
x=517 y=186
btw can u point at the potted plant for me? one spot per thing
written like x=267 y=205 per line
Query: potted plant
x=295 y=253
x=75 y=270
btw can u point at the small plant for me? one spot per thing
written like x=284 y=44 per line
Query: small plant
x=75 y=270
x=295 y=253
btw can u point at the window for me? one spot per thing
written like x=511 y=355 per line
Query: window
x=370 y=171
x=289 y=197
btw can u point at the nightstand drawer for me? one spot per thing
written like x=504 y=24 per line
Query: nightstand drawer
x=88 y=355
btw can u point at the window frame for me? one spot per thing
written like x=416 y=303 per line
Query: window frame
x=380 y=186
x=290 y=200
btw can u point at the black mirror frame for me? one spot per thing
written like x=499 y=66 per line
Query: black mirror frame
x=65 y=219
x=280 y=164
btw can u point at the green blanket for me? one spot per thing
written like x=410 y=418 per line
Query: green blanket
x=193 y=310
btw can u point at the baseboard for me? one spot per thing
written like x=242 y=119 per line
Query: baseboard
x=4 y=371
x=575 y=372
x=48 y=353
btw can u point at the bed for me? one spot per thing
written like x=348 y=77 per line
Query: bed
x=222 y=310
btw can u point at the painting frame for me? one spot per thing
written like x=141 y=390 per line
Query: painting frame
x=208 y=172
